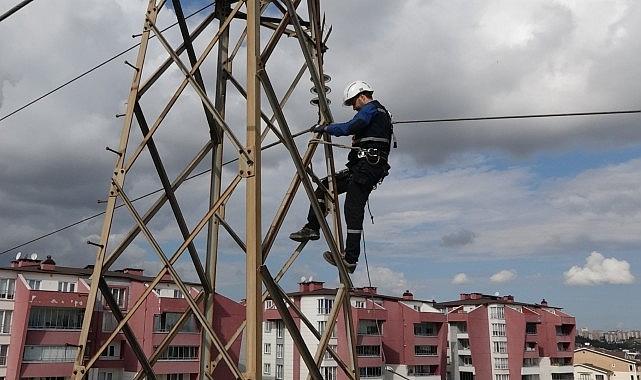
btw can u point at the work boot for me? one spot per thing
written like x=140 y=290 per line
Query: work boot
x=351 y=267
x=304 y=234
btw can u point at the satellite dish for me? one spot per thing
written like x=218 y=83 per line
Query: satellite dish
x=309 y=279
x=33 y=256
x=497 y=294
x=18 y=255
x=302 y=279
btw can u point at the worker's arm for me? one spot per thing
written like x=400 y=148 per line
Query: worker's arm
x=360 y=121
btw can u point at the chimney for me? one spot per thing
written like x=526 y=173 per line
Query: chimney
x=544 y=302
x=464 y=296
x=407 y=295
x=476 y=296
x=310 y=286
x=508 y=298
x=133 y=271
x=48 y=264
x=369 y=289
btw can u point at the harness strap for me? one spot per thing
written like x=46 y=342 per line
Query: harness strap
x=377 y=139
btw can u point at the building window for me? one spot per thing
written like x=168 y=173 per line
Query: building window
x=328 y=373
x=279 y=371
x=280 y=328
x=530 y=328
x=269 y=305
x=497 y=312
x=368 y=350
x=322 y=325
x=267 y=348
x=370 y=371
x=105 y=375
x=463 y=344
x=465 y=360
x=421 y=370
x=530 y=346
x=174 y=376
x=55 y=318
x=530 y=377
x=500 y=347
x=34 y=284
x=268 y=326
x=370 y=327
x=502 y=377
x=498 y=329
x=327 y=355
x=178 y=293
x=425 y=329
x=467 y=375
x=109 y=322
x=49 y=354
x=66 y=287
x=558 y=362
x=267 y=369
x=3 y=354
x=180 y=353
x=599 y=377
x=112 y=351
x=280 y=349
x=7 y=288
x=360 y=305
x=531 y=362
x=5 y=321
x=424 y=350
x=325 y=305
x=119 y=296
x=166 y=321
x=500 y=363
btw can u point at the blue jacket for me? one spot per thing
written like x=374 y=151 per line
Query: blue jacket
x=371 y=128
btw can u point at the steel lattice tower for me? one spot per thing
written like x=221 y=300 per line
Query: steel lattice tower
x=311 y=36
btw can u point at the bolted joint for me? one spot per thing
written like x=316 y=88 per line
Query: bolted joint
x=246 y=167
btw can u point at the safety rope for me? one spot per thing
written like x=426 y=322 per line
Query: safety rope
x=369 y=281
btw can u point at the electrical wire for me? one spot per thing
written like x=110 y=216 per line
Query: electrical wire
x=14 y=10
x=514 y=117
x=86 y=219
x=94 y=68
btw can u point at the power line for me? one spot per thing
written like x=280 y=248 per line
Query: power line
x=14 y=10
x=93 y=68
x=306 y=131
x=86 y=219
x=515 y=117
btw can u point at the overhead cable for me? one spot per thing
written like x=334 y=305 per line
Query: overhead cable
x=305 y=131
x=86 y=219
x=14 y=10
x=514 y=117
x=93 y=68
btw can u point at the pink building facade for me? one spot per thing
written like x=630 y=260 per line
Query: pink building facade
x=396 y=336
x=41 y=310
x=496 y=338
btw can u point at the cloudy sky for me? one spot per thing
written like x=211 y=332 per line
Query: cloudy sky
x=539 y=208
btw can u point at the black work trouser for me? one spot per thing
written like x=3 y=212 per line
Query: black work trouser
x=355 y=199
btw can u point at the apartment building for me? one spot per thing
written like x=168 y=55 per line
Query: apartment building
x=497 y=338
x=41 y=311
x=397 y=337
x=598 y=364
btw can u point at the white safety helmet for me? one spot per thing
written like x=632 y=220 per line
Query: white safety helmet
x=355 y=88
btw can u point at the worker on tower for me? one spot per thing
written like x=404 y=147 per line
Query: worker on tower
x=367 y=165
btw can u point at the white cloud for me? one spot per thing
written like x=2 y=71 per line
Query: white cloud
x=503 y=276
x=599 y=270
x=460 y=278
x=388 y=281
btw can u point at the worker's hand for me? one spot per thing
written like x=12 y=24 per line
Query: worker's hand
x=318 y=128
